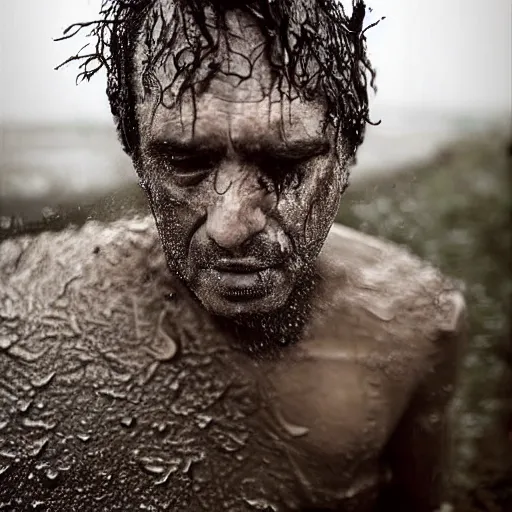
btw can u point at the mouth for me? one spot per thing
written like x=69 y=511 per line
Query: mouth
x=243 y=280
x=241 y=266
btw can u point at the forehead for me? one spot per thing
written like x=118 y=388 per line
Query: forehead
x=243 y=97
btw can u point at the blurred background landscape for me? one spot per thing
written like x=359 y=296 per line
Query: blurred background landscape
x=435 y=176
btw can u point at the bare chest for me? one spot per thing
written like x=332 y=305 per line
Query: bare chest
x=332 y=418
x=120 y=409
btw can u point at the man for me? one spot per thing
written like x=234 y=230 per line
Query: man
x=268 y=370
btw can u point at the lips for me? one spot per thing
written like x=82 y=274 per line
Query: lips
x=241 y=266
x=242 y=280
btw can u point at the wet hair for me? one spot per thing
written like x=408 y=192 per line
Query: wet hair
x=313 y=46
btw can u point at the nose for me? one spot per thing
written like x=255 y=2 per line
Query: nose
x=238 y=213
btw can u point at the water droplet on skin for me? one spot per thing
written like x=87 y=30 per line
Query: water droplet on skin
x=6 y=342
x=39 y=446
x=165 y=478
x=37 y=504
x=293 y=430
x=3 y=424
x=42 y=381
x=113 y=393
x=188 y=464
x=260 y=505
x=154 y=469
x=27 y=422
x=24 y=405
x=52 y=477
x=83 y=437
x=8 y=455
x=165 y=347
x=149 y=373
x=203 y=420
x=160 y=427
x=168 y=347
x=128 y=421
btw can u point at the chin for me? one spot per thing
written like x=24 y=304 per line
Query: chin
x=243 y=309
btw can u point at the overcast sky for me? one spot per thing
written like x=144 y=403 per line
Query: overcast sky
x=437 y=54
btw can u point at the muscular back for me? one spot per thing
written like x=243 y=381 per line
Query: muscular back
x=114 y=395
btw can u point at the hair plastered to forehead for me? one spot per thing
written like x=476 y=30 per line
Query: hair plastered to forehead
x=314 y=48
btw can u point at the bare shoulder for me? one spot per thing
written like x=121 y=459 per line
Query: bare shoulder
x=70 y=278
x=93 y=251
x=398 y=296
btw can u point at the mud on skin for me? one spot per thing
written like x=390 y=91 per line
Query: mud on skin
x=113 y=394
x=112 y=397
x=116 y=396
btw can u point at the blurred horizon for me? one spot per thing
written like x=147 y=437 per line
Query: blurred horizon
x=65 y=161
x=443 y=72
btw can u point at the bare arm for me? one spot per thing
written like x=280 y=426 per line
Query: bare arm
x=419 y=450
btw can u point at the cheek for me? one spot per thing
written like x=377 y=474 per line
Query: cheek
x=326 y=197
x=312 y=207
x=169 y=200
x=177 y=210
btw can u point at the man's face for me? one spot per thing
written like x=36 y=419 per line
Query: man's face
x=211 y=165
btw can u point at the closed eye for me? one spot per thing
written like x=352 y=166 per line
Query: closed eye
x=280 y=165
x=187 y=164
x=192 y=163
x=285 y=165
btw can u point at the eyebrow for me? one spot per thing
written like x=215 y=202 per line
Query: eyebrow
x=298 y=149
x=183 y=147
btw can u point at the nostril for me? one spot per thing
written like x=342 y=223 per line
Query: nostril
x=228 y=236
x=232 y=229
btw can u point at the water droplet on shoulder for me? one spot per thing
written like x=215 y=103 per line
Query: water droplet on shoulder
x=41 y=382
x=51 y=477
x=128 y=421
x=24 y=405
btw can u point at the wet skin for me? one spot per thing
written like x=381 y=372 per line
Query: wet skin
x=211 y=165
x=115 y=397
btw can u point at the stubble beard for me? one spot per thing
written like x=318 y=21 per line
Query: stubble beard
x=267 y=334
